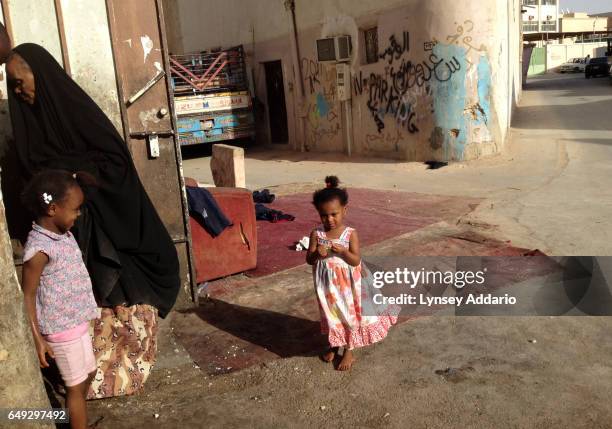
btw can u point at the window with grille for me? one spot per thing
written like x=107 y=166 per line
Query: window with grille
x=371 y=45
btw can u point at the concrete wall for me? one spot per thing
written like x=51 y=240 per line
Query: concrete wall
x=448 y=95
x=90 y=53
x=173 y=20
x=34 y=21
x=87 y=38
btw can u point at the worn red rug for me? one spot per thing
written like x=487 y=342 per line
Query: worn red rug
x=377 y=215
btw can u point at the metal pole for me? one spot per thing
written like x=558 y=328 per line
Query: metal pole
x=297 y=71
x=349 y=126
x=59 y=16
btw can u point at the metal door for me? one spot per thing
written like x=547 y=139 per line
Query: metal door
x=277 y=108
x=142 y=69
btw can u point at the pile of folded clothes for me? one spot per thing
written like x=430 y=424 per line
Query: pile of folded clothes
x=263 y=212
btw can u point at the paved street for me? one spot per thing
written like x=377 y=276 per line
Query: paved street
x=549 y=190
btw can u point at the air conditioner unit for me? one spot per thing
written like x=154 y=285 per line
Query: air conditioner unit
x=334 y=49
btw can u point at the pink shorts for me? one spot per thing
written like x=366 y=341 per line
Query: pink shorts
x=75 y=359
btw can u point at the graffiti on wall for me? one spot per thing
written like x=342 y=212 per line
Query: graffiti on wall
x=322 y=117
x=390 y=92
x=462 y=37
x=395 y=50
x=318 y=79
x=450 y=99
x=386 y=139
x=402 y=88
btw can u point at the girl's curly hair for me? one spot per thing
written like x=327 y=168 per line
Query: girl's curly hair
x=52 y=186
x=330 y=192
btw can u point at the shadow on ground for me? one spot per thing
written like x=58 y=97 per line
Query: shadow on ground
x=578 y=116
x=590 y=141
x=253 y=335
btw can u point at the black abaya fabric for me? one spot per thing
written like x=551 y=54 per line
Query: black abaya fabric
x=130 y=255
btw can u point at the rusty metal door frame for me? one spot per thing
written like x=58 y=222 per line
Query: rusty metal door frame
x=126 y=132
x=177 y=147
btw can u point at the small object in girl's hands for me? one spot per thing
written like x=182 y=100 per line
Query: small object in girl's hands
x=305 y=242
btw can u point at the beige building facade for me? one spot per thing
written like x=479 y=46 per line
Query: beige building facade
x=582 y=23
x=425 y=80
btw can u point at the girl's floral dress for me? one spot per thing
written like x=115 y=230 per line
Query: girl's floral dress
x=339 y=292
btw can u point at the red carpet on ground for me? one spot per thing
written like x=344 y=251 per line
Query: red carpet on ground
x=376 y=215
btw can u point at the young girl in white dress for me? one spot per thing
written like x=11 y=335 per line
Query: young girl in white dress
x=337 y=272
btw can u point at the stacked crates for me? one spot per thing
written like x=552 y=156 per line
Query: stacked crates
x=211 y=96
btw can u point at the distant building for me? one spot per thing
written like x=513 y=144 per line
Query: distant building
x=540 y=16
x=578 y=22
x=608 y=16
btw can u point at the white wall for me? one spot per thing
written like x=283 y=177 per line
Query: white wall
x=226 y=23
x=90 y=53
x=34 y=21
x=460 y=115
x=88 y=43
x=559 y=54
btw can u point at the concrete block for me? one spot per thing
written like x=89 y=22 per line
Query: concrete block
x=227 y=165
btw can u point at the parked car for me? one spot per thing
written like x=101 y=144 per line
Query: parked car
x=573 y=65
x=597 y=67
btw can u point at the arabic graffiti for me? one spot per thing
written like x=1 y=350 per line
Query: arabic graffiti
x=388 y=93
x=388 y=138
x=395 y=51
x=461 y=36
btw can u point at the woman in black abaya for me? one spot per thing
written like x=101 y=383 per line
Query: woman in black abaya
x=130 y=255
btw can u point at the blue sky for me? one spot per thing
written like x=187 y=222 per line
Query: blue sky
x=589 y=6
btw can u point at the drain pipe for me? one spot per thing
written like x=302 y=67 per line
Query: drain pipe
x=297 y=72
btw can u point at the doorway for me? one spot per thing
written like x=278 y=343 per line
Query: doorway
x=277 y=109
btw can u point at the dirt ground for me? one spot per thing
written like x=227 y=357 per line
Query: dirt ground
x=429 y=373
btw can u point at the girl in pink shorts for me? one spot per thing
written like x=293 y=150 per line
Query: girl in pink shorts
x=57 y=288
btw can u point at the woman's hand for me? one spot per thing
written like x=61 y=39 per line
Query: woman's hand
x=43 y=349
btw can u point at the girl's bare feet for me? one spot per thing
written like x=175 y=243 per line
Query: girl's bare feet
x=347 y=361
x=330 y=354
